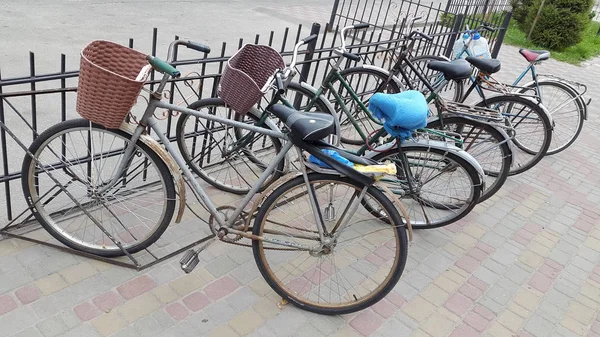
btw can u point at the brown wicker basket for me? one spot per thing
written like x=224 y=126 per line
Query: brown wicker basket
x=246 y=73
x=107 y=89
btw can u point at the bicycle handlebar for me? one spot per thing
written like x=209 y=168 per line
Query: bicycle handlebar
x=412 y=35
x=165 y=66
x=343 y=33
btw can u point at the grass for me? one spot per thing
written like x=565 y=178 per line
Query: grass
x=584 y=50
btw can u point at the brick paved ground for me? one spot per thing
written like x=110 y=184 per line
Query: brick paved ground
x=524 y=263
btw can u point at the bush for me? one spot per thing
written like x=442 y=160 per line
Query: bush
x=520 y=10
x=561 y=22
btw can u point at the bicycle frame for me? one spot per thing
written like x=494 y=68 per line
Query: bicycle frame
x=149 y=121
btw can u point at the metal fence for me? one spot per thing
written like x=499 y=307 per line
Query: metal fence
x=30 y=104
x=442 y=21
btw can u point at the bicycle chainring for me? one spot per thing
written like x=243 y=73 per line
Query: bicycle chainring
x=240 y=223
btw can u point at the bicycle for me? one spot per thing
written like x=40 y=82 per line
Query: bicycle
x=535 y=134
x=563 y=98
x=113 y=191
x=483 y=141
x=434 y=163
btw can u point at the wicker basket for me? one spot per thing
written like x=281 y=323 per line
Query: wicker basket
x=246 y=73
x=107 y=88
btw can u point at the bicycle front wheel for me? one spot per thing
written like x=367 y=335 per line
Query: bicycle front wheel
x=438 y=187
x=360 y=261
x=229 y=158
x=83 y=158
x=532 y=127
x=566 y=108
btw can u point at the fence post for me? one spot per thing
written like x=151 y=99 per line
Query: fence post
x=458 y=24
x=334 y=10
x=312 y=45
x=501 y=35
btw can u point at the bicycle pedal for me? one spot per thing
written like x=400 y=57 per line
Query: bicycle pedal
x=189 y=261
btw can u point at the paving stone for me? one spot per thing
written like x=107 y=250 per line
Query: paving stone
x=138 y=307
x=164 y=274
x=52 y=326
x=78 y=273
x=29 y=332
x=165 y=293
x=418 y=309
x=17 y=319
x=108 y=323
x=82 y=331
x=289 y=320
x=187 y=284
x=136 y=287
x=148 y=326
x=393 y=327
x=50 y=284
x=221 y=266
x=242 y=299
x=538 y=326
x=219 y=312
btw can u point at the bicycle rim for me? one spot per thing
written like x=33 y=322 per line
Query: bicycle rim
x=445 y=187
x=533 y=129
x=135 y=211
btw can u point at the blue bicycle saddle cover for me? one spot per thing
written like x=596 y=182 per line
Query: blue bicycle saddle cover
x=401 y=113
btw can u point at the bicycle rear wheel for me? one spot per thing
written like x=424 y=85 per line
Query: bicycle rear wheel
x=229 y=158
x=446 y=187
x=486 y=144
x=532 y=126
x=357 y=267
x=566 y=108
x=84 y=157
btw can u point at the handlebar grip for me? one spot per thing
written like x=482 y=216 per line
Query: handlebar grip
x=351 y=56
x=426 y=37
x=279 y=84
x=310 y=38
x=423 y=35
x=162 y=66
x=488 y=28
x=361 y=25
x=198 y=46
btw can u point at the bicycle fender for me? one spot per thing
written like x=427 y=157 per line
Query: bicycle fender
x=167 y=159
x=509 y=142
x=580 y=97
x=444 y=146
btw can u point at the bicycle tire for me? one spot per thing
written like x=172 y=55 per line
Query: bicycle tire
x=577 y=112
x=51 y=145
x=524 y=158
x=424 y=221
x=496 y=168
x=381 y=243
x=225 y=175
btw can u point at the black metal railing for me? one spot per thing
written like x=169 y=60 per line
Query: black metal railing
x=30 y=104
